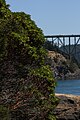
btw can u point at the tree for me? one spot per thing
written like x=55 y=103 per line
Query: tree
x=49 y=46
x=21 y=45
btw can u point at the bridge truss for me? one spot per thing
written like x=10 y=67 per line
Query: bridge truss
x=71 y=41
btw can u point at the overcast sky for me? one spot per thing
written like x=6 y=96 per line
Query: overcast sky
x=52 y=16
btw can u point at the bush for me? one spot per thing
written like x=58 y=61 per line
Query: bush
x=21 y=50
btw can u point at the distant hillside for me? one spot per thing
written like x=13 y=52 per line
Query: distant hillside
x=74 y=50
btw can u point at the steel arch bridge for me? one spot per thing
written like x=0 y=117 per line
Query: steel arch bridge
x=68 y=43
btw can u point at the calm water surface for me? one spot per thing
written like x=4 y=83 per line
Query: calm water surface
x=68 y=87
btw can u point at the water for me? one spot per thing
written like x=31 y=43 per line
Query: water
x=68 y=87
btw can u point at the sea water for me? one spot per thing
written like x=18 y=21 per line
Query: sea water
x=68 y=87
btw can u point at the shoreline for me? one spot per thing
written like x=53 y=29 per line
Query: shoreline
x=68 y=87
x=69 y=79
x=67 y=95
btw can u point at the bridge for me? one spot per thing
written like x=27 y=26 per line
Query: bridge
x=67 y=43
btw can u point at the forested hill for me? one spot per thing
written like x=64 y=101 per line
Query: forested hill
x=74 y=50
x=26 y=81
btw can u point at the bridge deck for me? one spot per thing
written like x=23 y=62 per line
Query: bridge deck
x=53 y=36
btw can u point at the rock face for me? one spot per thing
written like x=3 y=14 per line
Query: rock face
x=75 y=75
x=63 y=67
x=68 y=107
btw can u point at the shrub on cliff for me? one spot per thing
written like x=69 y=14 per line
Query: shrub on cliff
x=26 y=81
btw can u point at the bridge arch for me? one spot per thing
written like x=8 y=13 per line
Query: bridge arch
x=66 y=43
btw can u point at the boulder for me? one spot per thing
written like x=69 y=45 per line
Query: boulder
x=68 y=107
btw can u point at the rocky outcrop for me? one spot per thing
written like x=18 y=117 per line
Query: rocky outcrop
x=63 y=67
x=68 y=107
x=75 y=75
x=58 y=64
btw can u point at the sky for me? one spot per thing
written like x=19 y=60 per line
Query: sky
x=54 y=17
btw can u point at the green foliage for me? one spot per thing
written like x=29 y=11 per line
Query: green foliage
x=43 y=71
x=50 y=46
x=2 y=3
x=4 y=113
x=22 y=36
x=4 y=11
x=72 y=66
x=51 y=117
x=22 y=41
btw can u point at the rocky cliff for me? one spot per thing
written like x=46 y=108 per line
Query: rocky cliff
x=63 y=67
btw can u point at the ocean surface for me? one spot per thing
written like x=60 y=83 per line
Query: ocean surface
x=68 y=87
